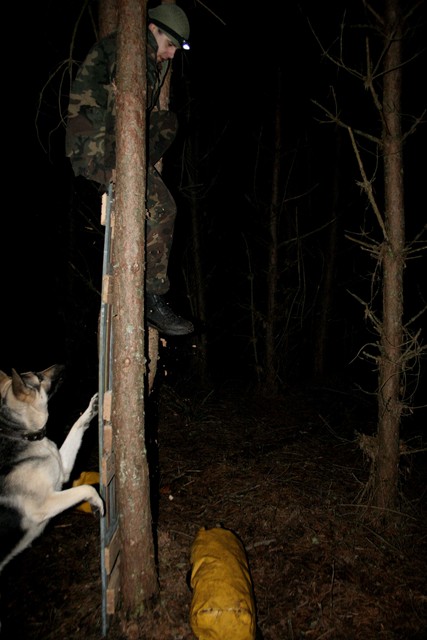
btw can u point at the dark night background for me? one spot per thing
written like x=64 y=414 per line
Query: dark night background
x=225 y=92
x=283 y=470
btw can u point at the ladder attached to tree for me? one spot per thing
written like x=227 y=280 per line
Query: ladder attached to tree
x=110 y=535
x=110 y=539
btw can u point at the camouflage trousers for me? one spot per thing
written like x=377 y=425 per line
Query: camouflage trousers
x=161 y=207
x=161 y=213
x=93 y=156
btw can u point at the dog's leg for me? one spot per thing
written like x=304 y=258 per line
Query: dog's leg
x=61 y=500
x=71 y=445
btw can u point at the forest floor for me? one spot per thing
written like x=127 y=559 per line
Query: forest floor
x=288 y=477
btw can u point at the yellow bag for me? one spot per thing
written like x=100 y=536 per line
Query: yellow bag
x=222 y=606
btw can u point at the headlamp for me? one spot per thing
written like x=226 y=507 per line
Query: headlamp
x=184 y=44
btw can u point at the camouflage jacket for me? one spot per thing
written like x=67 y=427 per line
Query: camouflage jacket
x=90 y=133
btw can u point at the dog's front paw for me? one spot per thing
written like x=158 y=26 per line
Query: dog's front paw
x=96 y=501
x=87 y=416
x=93 y=406
x=100 y=506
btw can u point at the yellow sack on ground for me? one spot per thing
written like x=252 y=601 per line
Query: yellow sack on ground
x=222 y=606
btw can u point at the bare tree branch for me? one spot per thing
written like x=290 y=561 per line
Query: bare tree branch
x=367 y=185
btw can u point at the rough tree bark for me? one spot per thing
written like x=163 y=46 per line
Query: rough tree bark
x=138 y=570
x=393 y=262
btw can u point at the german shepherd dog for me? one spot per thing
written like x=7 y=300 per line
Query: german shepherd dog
x=32 y=468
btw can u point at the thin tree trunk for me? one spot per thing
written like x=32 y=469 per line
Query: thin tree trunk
x=270 y=380
x=390 y=407
x=196 y=258
x=107 y=17
x=322 y=329
x=137 y=570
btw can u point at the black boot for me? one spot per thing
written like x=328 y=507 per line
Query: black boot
x=161 y=317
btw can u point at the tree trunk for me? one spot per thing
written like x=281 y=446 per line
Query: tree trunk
x=107 y=17
x=322 y=329
x=137 y=570
x=270 y=368
x=198 y=280
x=389 y=400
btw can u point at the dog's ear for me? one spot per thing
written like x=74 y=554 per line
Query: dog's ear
x=3 y=378
x=19 y=387
x=52 y=378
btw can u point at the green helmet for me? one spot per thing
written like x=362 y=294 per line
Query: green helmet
x=172 y=20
